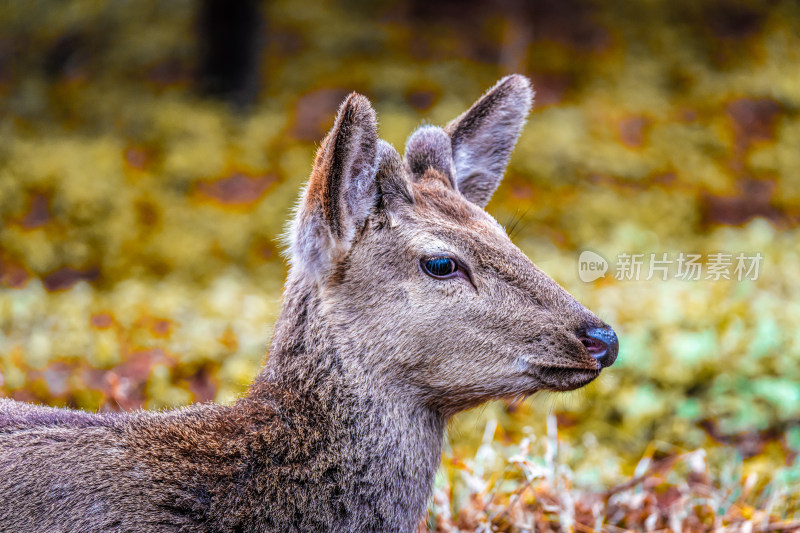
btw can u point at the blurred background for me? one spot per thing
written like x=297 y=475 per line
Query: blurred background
x=151 y=153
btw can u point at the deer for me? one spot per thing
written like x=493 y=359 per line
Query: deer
x=405 y=303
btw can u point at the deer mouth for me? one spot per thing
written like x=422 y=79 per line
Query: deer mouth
x=565 y=379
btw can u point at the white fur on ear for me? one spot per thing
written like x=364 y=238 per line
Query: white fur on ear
x=484 y=136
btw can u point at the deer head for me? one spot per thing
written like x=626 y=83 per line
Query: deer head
x=419 y=291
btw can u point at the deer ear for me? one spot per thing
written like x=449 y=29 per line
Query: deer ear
x=427 y=148
x=391 y=177
x=483 y=137
x=342 y=189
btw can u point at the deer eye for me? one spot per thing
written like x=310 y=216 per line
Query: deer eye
x=439 y=267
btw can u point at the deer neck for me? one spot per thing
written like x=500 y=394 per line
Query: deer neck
x=386 y=448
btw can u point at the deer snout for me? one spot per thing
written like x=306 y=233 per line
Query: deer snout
x=601 y=343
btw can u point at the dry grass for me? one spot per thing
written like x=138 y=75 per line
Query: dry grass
x=669 y=491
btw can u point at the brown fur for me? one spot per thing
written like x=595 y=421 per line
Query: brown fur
x=342 y=429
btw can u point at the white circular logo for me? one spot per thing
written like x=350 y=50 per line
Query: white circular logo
x=591 y=266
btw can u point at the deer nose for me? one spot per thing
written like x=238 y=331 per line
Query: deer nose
x=601 y=343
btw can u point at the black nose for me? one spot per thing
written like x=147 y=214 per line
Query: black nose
x=602 y=344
